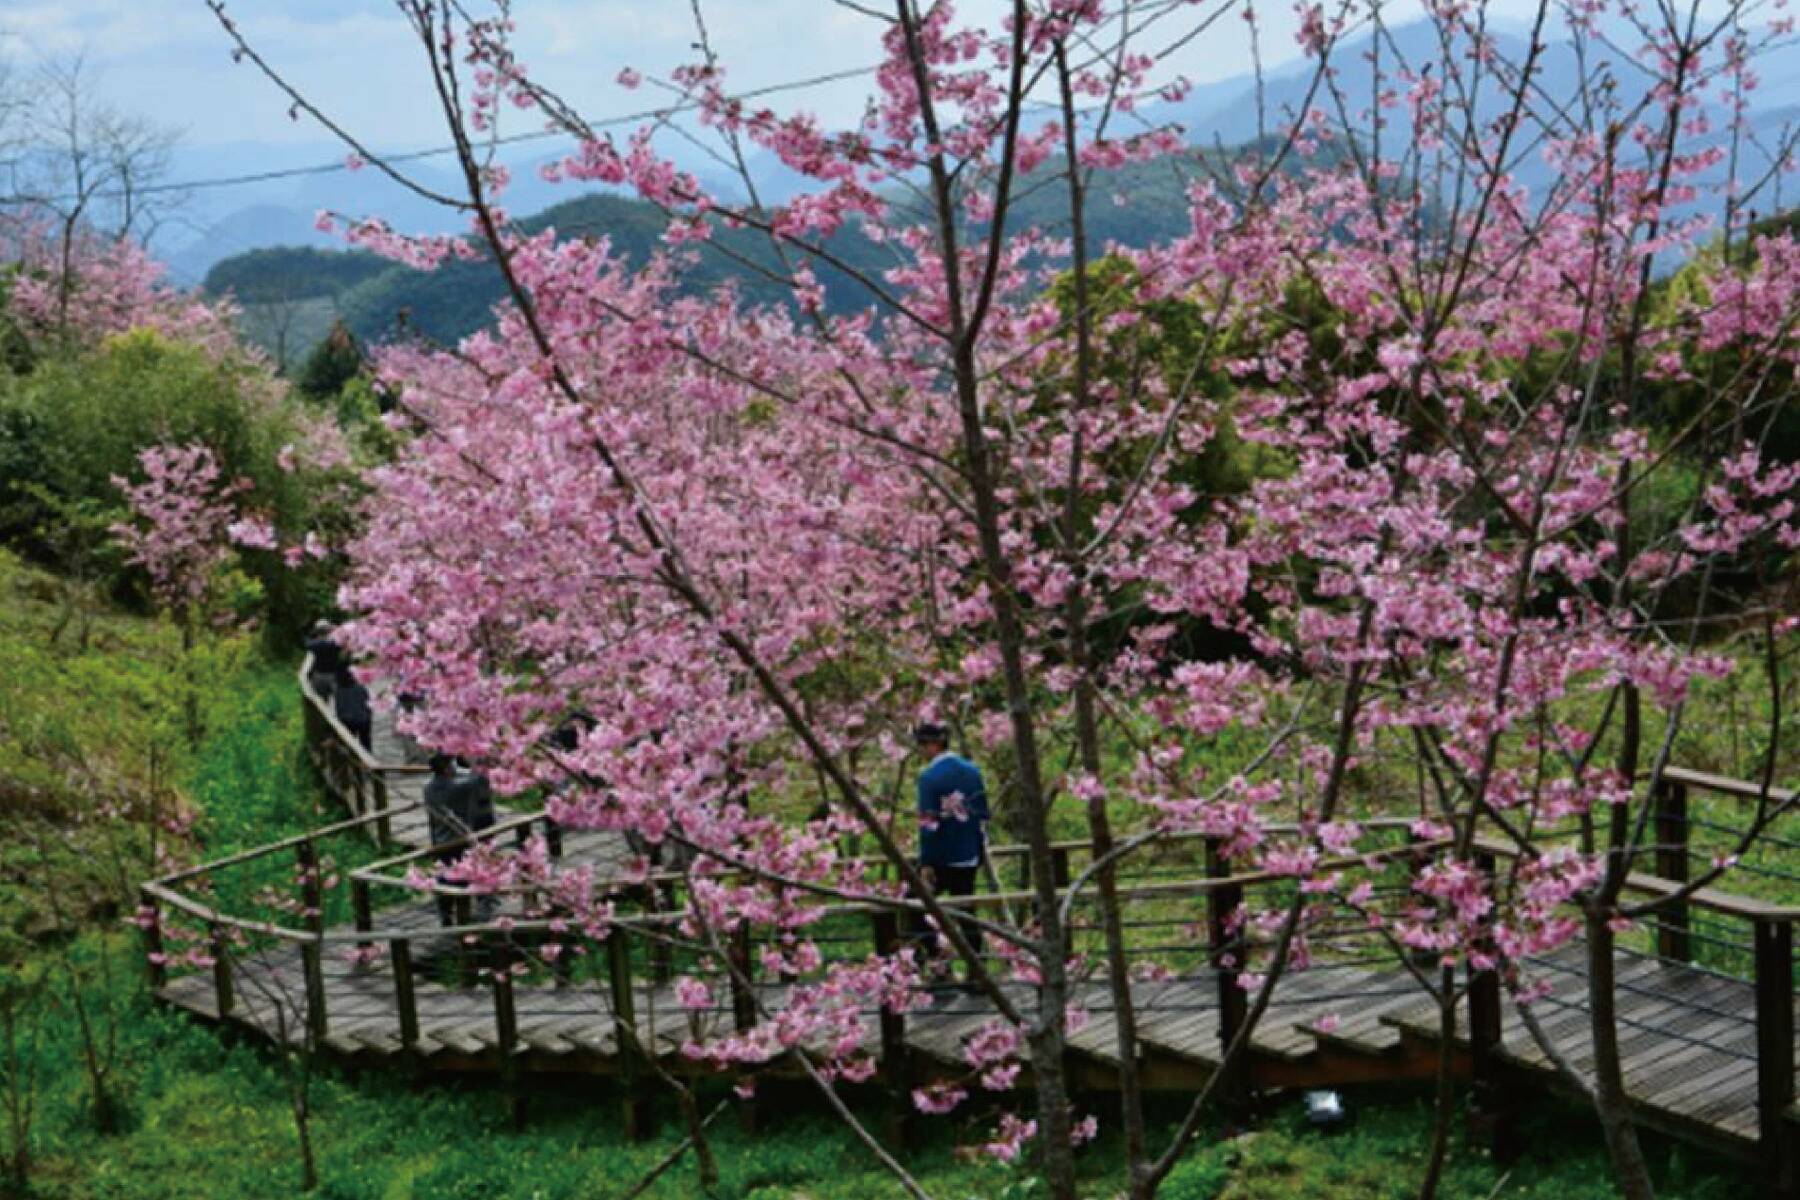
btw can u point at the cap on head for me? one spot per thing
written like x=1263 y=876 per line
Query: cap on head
x=441 y=764
x=930 y=733
x=321 y=627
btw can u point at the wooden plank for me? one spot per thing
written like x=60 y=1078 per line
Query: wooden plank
x=1360 y=1027
x=1723 y=785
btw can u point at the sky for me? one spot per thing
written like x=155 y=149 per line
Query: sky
x=169 y=60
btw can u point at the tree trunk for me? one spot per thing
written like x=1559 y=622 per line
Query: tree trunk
x=1055 y=1155
x=1444 y=1099
x=21 y=1085
x=309 y=1171
x=1630 y=1171
x=1118 y=968
x=1047 y=1040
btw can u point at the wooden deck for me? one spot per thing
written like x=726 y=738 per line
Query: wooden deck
x=1689 y=1036
x=1692 y=1038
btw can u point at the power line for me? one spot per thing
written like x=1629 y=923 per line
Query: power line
x=649 y=114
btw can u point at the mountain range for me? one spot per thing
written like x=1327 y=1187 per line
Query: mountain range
x=308 y=287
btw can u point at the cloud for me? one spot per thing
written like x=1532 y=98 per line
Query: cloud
x=356 y=58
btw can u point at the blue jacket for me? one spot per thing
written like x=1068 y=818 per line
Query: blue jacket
x=946 y=838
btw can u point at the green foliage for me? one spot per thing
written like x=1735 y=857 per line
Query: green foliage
x=89 y=724
x=358 y=409
x=78 y=422
x=250 y=779
x=93 y=413
x=1753 y=380
x=334 y=362
x=1173 y=341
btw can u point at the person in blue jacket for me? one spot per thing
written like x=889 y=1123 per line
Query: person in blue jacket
x=953 y=816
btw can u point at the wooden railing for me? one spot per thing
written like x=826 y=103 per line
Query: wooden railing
x=158 y=898
x=350 y=771
x=1771 y=945
x=1769 y=949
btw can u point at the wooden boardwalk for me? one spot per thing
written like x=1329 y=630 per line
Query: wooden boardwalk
x=1708 y=1057
x=1689 y=1042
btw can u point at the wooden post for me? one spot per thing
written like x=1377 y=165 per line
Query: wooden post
x=562 y=967
x=1778 y=1146
x=363 y=910
x=1670 y=805
x=154 y=960
x=1489 y=1115
x=553 y=838
x=1222 y=906
x=343 y=772
x=468 y=966
x=405 y=1000
x=743 y=970
x=384 y=827
x=662 y=962
x=1484 y=1019
x=314 y=722
x=313 y=968
x=359 y=782
x=635 y=1110
x=312 y=896
x=221 y=968
x=506 y=1031
x=896 y=1065
x=741 y=975
x=325 y=758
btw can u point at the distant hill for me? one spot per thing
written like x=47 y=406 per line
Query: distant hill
x=290 y=294
x=378 y=299
x=280 y=273
x=245 y=230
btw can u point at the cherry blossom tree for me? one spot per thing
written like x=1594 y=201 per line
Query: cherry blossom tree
x=184 y=522
x=751 y=545
x=82 y=190
x=184 y=514
x=79 y=286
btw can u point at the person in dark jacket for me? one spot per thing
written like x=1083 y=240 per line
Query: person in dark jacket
x=953 y=816
x=327 y=661
x=350 y=699
x=457 y=804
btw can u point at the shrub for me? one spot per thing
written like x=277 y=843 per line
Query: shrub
x=79 y=420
